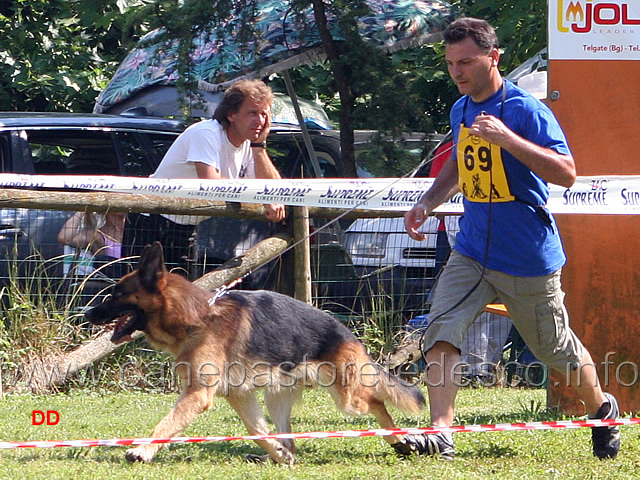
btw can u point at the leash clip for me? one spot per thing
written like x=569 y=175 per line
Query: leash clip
x=223 y=290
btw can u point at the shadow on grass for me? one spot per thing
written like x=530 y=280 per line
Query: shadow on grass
x=213 y=452
x=525 y=415
x=310 y=452
x=489 y=450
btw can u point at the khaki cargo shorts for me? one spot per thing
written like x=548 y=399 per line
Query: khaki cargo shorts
x=535 y=305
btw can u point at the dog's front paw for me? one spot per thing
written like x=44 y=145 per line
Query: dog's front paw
x=285 y=457
x=140 y=454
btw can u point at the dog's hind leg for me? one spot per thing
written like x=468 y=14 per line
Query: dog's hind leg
x=247 y=406
x=357 y=400
x=190 y=404
x=378 y=410
x=355 y=389
x=279 y=404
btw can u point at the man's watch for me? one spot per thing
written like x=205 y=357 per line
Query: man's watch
x=258 y=144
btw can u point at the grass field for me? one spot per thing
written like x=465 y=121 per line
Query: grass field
x=532 y=454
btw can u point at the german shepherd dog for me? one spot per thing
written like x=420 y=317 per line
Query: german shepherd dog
x=244 y=340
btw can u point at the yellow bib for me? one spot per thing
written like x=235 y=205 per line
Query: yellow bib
x=481 y=174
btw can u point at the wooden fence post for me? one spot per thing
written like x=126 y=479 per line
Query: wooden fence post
x=302 y=266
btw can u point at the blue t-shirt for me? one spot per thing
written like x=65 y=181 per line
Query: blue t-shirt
x=523 y=239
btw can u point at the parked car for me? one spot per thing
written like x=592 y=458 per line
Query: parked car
x=133 y=145
x=66 y=144
x=402 y=270
x=128 y=145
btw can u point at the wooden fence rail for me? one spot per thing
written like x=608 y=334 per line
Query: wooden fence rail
x=72 y=362
x=136 y=203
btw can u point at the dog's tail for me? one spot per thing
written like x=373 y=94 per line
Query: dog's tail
x=354 y=380
x=401 y=394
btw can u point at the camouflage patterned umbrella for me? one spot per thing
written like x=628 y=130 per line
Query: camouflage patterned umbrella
x=284 y=40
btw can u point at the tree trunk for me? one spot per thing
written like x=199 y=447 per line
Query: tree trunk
x=343 y=82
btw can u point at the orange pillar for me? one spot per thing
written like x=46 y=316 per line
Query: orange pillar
x=598 y=105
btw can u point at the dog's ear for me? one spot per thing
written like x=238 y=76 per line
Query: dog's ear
x=151 y=265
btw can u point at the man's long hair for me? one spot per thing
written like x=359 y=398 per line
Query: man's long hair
x=237 y=93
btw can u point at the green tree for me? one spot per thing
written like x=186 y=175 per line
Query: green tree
x=58 y=54
x=411 y=90
x=521 y=26
x=415 y=91
x=370 y=88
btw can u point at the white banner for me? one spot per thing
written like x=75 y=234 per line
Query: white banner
x=594 y=30
x=617 y=195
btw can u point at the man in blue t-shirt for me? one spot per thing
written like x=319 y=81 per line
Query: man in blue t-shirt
x=509 y=146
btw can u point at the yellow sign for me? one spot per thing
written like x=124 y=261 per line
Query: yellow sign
x=481 y=175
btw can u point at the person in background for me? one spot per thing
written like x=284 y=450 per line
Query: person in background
x=88 y=236
x=509 y=146
x=232 y=144
x=443 y=243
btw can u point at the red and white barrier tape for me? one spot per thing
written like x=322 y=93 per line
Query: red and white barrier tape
x=503 y=427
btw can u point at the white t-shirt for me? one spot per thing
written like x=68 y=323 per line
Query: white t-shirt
x=205 y=142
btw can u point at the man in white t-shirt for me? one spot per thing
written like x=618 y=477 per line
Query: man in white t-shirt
x=230 y=145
